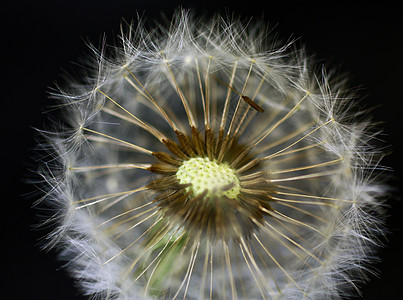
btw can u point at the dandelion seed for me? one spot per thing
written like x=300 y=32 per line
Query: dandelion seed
x=201 y=167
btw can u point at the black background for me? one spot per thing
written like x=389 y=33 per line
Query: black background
x=41 y=38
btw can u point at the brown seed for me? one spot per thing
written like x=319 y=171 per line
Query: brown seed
x=252 y=104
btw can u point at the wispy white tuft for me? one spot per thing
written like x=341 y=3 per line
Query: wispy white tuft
x=318 y=169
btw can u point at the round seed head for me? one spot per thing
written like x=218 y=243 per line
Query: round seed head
x=209 y=162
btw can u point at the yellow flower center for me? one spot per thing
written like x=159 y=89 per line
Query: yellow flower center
x=219 y=179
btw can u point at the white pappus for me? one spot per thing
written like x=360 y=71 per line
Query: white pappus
x=205 y=160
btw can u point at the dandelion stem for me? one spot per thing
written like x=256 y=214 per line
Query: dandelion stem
x=161 y=252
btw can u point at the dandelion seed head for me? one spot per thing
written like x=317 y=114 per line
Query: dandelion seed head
x=208 y=161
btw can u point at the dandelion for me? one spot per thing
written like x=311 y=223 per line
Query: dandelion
x=207 y=161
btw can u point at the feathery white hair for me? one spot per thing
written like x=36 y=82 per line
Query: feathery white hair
x=278 y=197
